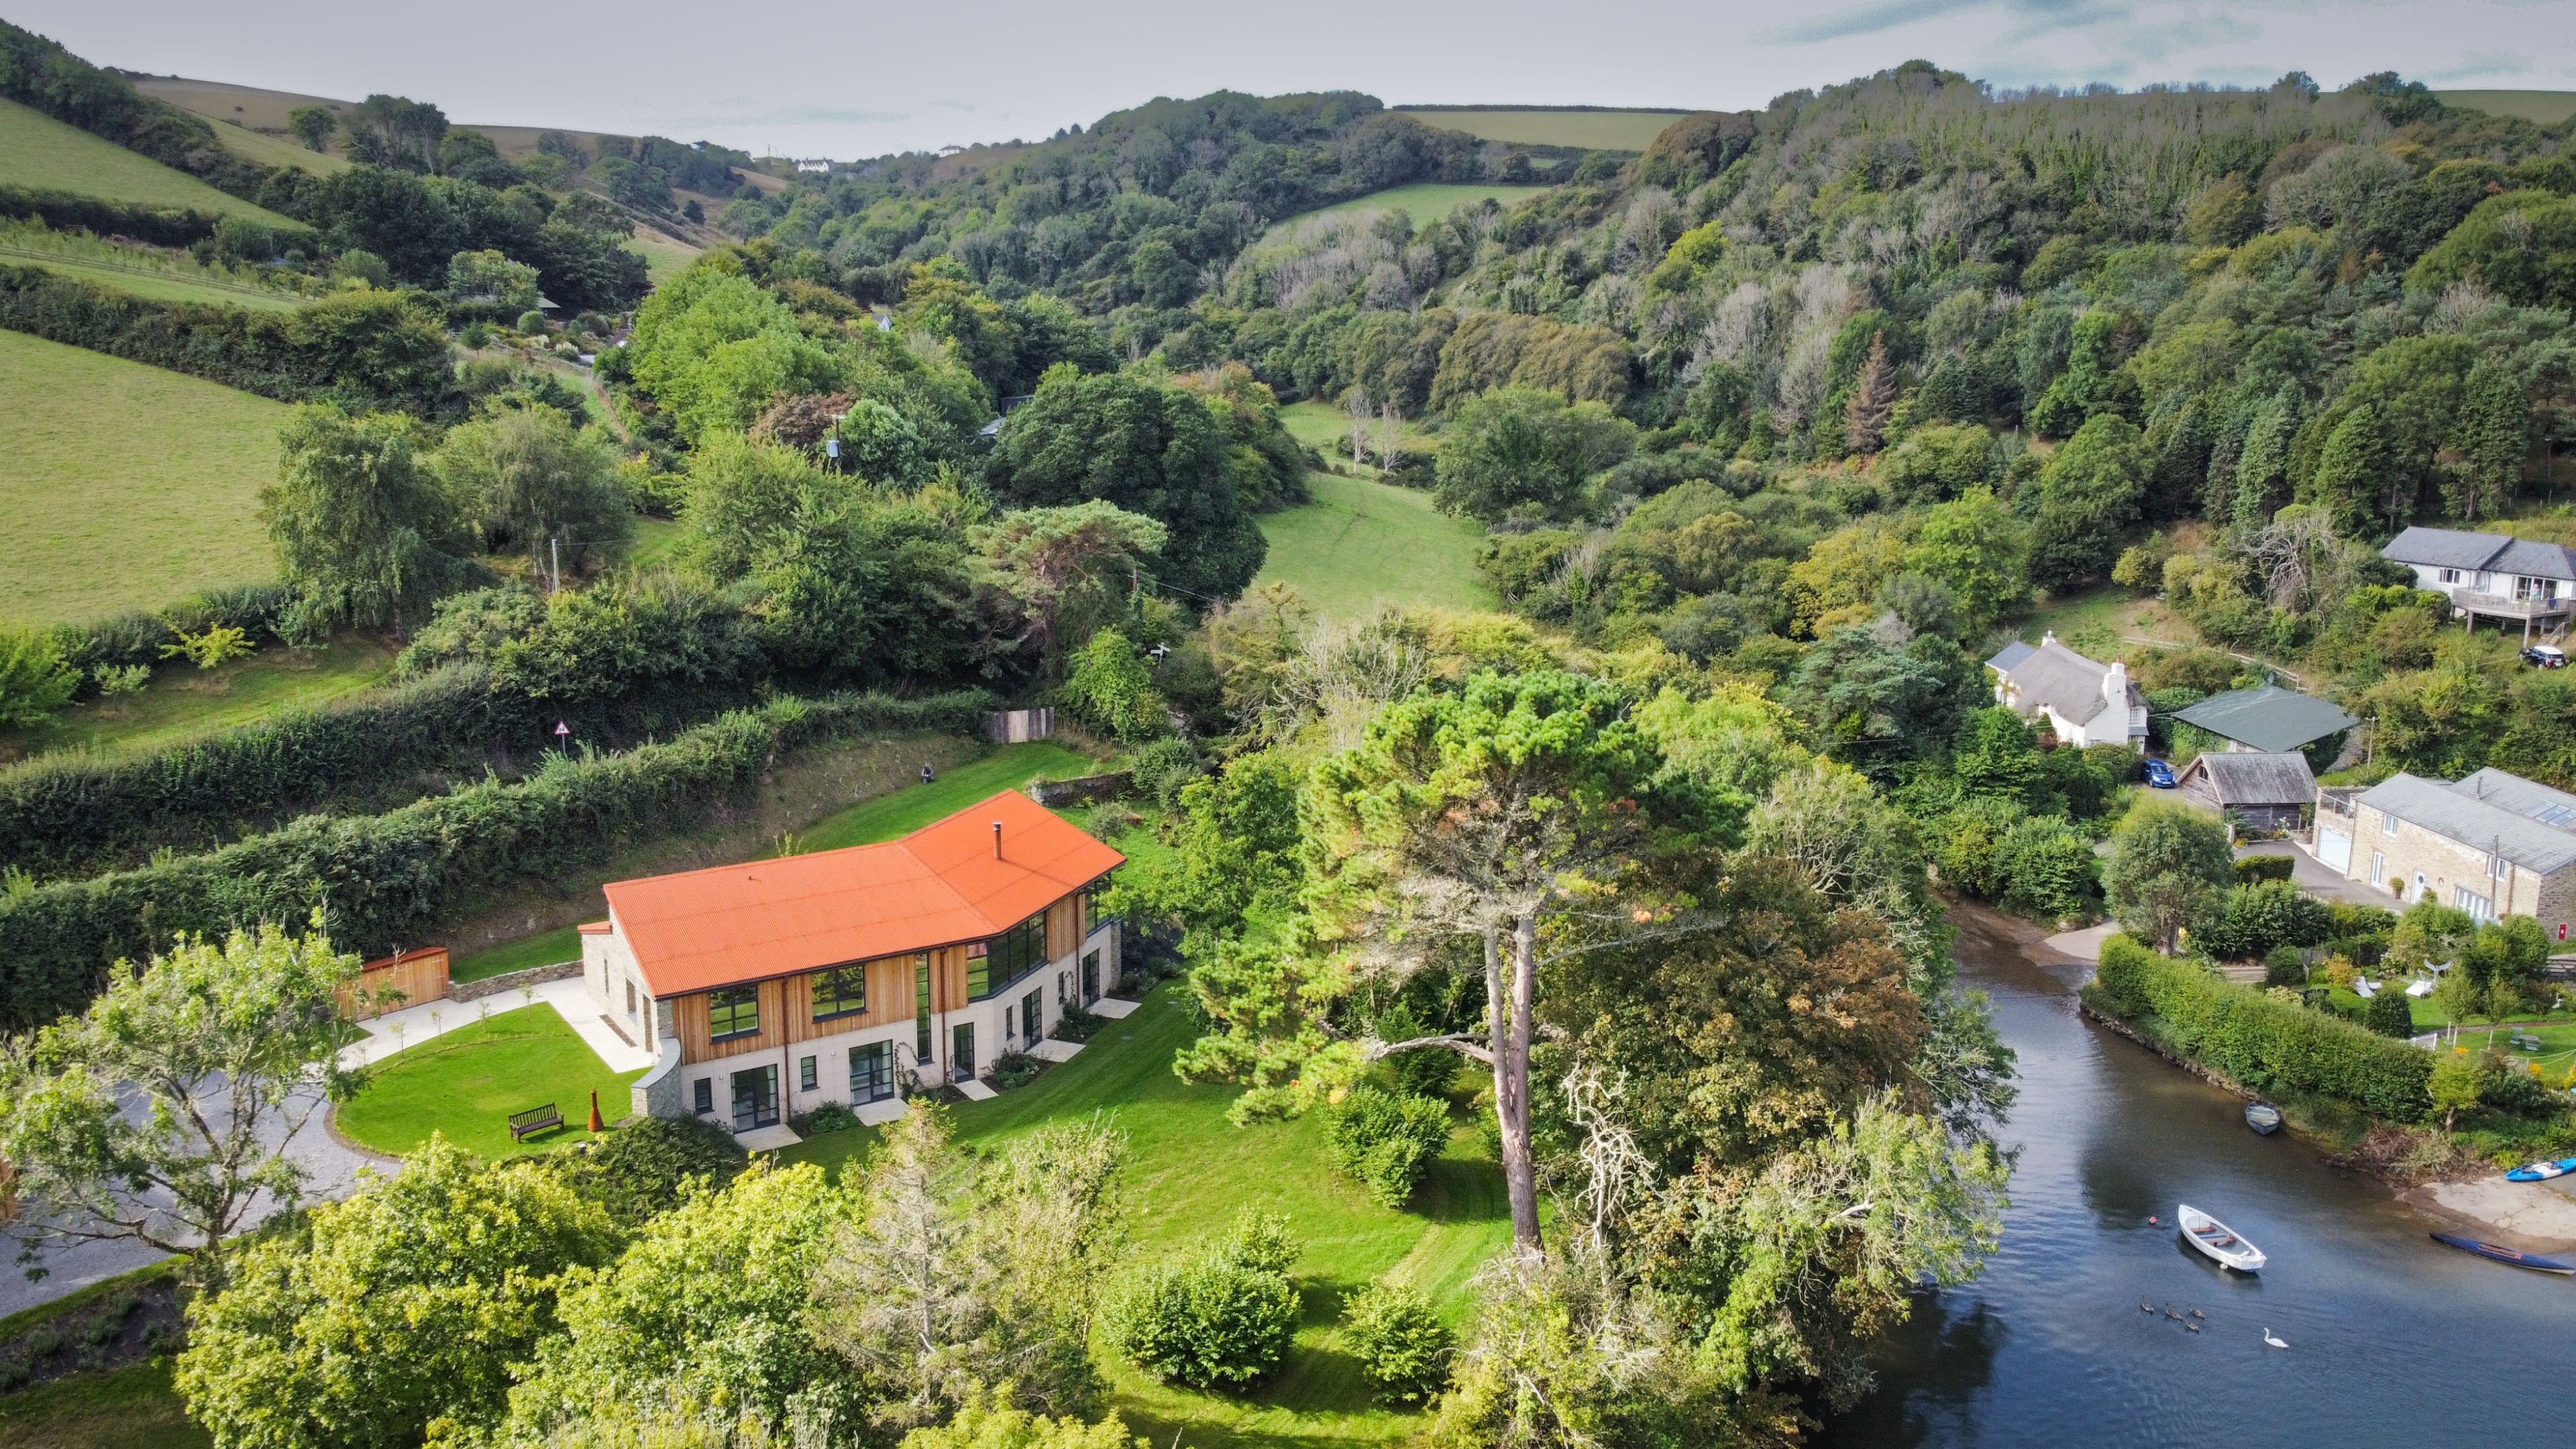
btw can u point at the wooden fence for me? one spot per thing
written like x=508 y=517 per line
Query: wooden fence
x=417 y=975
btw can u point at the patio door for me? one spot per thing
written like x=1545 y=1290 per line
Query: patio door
x=872 y=1072
x=1090 y=977
x=961 y=1051
x=755 y=1098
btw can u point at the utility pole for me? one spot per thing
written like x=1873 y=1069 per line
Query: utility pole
x=554 y=554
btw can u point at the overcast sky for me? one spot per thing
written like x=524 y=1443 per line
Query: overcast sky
x=858 y=78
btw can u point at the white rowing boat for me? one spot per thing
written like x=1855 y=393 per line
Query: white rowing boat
x=2219 y=1241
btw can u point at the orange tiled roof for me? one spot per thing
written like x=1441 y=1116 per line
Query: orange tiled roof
x=935 y=887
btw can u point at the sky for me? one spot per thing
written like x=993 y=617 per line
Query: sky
x=861 y=78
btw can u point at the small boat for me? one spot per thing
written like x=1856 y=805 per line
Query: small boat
x=2542 y=1171
x=2219 y=1241
x=2263 y=1117
x=2533 y=1261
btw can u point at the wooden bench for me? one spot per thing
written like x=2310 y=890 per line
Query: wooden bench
x=535 y=1119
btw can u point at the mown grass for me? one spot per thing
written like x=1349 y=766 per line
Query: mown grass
x=1189 y=1170
x=1425 y=203
x=159 y=288
x=546 y=948
x=899 y=812
x=183 y=701
x=124 y=1408
x=40 y=152
x=468 y=1082
x=125 y=486
x=1541 y=126
x=1362 y=543
x=1316 y=423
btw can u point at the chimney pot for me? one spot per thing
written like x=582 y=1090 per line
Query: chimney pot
x=997 y=840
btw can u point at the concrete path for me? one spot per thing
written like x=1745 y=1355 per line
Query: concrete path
x=2313 y=875
x=974 y=1090
x=1113 y=1008
x=330 y=1164
x=2086 y=944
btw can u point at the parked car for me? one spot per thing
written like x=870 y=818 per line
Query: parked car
x=2160 y=775
x=2544 y=656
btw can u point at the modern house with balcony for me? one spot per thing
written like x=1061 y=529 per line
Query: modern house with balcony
x=770 y=988
x=2492 y=576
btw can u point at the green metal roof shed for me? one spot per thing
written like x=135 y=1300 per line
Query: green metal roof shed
x=2271 y=719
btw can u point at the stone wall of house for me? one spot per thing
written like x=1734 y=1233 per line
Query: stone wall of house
x=2448 y=865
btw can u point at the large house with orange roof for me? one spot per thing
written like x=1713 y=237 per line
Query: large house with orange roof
x=842 y=976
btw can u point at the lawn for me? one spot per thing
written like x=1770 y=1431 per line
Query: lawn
x=546 y=948
x=1426 y=203
x=656 y=540
x=899 y=812
x=42 y=153
x=1361 y=543
x=1604 y=130
x=468 y=1082
x=2546 y=108
x=127 y=486
x=118 y=1409
x=1316 y=423
x=1188 y=1171
x=183 y=701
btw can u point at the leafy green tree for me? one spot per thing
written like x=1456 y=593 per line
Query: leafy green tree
x=1526 y=452
x=2169 y=863
x=313 y=126
x=991 y=1423
x=363 y=532
x=1385 y=1141
x=1233 y=867
x=2454 y=1086
x=2492 y=439
x=1148 y=448
x=1937 y=462
x=2388 y=1015
x=2086 y=496
x=2521 y=245
x=1975 y=546
x=1108 y=687
x=373 y=1317
x=1998 y=755
x=528 y=478
x=35 y=683
x=490 y=278
x=227 y=1050
x=714 y=347
x=1068 y=571
x=882 y=445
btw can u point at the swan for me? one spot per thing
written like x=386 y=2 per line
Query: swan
x=2268 y=1338
x=2145 y=1307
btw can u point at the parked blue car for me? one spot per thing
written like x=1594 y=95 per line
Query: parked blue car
x=2160 y=775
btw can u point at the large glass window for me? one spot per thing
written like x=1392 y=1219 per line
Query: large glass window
x=733 y=1012
x=1008 y=957
x=840 y=993
x=921 y=1010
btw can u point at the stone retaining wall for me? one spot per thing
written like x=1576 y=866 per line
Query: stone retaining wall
x=511 y=981
x=1089 y=790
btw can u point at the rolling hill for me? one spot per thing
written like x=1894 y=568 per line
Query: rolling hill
x=1587 y=128
x=41 y=153
x=2546 y=108
x=1425 y=203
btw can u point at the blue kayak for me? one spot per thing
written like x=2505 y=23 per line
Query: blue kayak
x=2542 y=1171
x=2533 y=1261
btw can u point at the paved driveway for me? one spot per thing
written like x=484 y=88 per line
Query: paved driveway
x=2312 y=875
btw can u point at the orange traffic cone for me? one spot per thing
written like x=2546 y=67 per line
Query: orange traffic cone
x=595 y=1124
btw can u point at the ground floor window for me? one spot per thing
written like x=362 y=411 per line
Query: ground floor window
x=961 y=1051
x=706 y=1094
x=2470 y=901
x=755 y=1098
x=805 y=1077
x=1032 y=1015
x=1090 y=977
x=872 y=1072
x=921 y=1011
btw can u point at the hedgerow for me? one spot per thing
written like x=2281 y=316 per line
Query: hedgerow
x=365 y=351
x=2259 y=1040
x=398 y=877
x=163 y=226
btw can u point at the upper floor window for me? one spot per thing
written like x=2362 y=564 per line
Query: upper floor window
x=733 y=1012
x=1007 y=957
x=2450 y=576
x=2387 y=823
x=840 y=993
x=1092 y=895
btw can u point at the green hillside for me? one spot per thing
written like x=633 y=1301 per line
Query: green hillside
x=40 y=152
x=1427 y=202
x=127 y=486
x=1362 y=543
x=1542 y=126
x=2546 y=108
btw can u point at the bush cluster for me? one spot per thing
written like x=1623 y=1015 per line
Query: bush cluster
x=1402 y=1345
x=2257 y=1040
x=160 y=226
x=400 y=876
x=1222 y=1315
x=2253 y=919
x=641 y=1169
x=364 y=351
x=138 y=636
x=1385 y=1141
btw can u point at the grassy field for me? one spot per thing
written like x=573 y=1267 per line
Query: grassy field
x=127 y=486
x=1360 y=544
x=1541 y=126
x=1425 y=203
x=159 y=287
x=546 y=948
x=900 y=812
x=263 y=149
x=468 y=1082
x=2547 y=108
x=1317 y=423
x=656 y=539
x=40 y=152
x=662 y=255
x=119 y=1409
x=183 y=701
x=1189 y=1169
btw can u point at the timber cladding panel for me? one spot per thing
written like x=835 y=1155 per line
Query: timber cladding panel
x=395 y=982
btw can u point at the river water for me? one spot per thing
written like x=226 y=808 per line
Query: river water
x=2394 y=1339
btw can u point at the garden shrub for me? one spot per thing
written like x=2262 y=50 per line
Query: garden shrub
x=641 y=1169
x=2252 y=919
x=2506 y=1084
x=160 y=226
x=1385 y=1141
x=2256 y=1040
x=2046 y=868
x=2254 y=869
x=1162 y=767
x=2285 y=966
x=402 y=875
x=363 y=351
x=1221 y=1315
x=2388 y=1014
x=1402 y=1345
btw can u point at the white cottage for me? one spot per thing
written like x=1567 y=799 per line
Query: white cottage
x=2080 y=701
